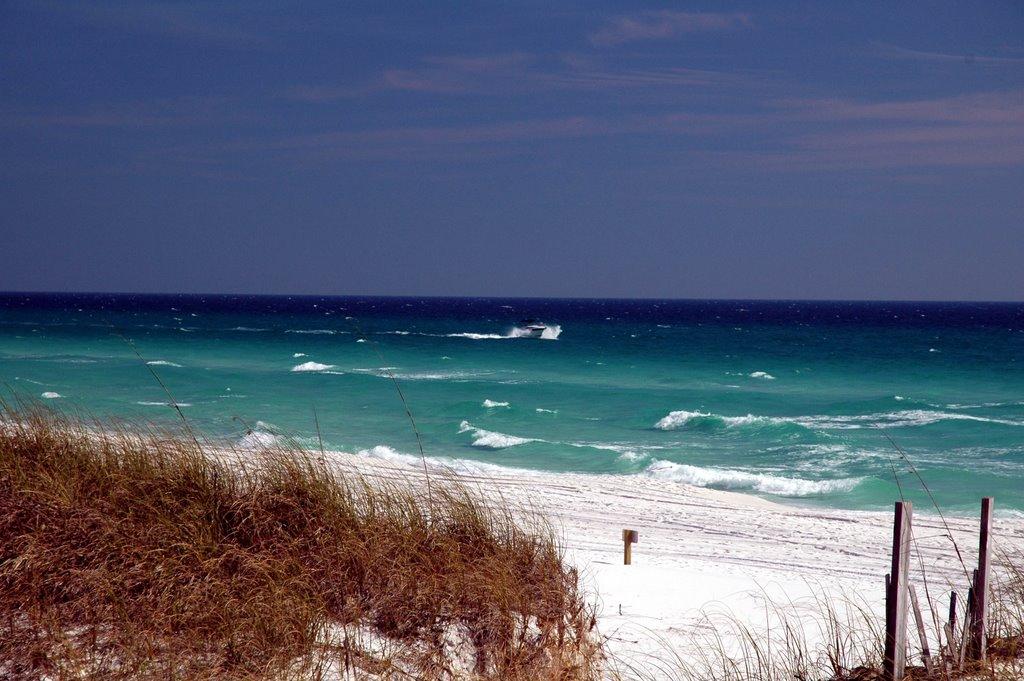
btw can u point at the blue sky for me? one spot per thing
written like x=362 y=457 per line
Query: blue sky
x=726 y=150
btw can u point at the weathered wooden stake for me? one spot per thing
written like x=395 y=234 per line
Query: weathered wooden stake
x=629 y=537
x=965 y=630
x=926 y=653
x=896 y=595
x=951 y=625
x=979 y=614
x=952 y=611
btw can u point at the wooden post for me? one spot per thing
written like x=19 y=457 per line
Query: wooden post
x=951 y=625
x=629 y=537
x=926 y=653
x=896 y=595
x=979 y=614
x=965 y=633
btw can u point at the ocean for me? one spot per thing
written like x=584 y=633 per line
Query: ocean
x=833 y=404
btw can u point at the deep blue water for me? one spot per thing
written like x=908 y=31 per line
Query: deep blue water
x=788 y=399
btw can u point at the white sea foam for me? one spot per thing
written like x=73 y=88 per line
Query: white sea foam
x=388 y=454
x=461 y=466
x=299 y=354
x=163 y=363
x=491 y=404
x=50 y=395
x=312 y=366
x=478 y=336
x=491 y=440
x=360 y=340
x=678 y=419
x=434 y=376
x=763 y=375
x=897 y=419
x=247 y=328
x=983 y=405
x=388 y=373
x=313 y=332
x=165 y=404
x=758 y=482
x=258 y=439
x=552 y=332
x=625 y=452
x=541 y=410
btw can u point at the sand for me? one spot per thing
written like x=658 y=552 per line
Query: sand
x=708 y=551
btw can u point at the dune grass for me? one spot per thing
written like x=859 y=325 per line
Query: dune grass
x=128 y=555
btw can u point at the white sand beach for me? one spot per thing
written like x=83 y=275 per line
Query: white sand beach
x=707 y=551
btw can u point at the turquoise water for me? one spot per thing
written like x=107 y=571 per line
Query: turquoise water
x=791 y=400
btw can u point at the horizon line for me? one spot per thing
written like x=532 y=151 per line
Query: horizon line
x=7 y=293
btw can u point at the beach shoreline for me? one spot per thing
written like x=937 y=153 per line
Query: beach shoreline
x=703 y=551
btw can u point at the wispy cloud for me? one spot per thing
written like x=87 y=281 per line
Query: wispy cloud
x=896 y=52
x=514 y=74
x=972 y=130
x=212 y=24
x=984 y=107
x=487 y=139
x=326 y=93
x=800 y=135
x=179 y=112
x=664 y=24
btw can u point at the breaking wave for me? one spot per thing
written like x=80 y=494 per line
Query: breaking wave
x=51 y=395
x=163 y=363
x=765 y=483
x=314 y=332
x=678 y=419
x=312 y=366
x=491 y=404
x=897 y=419
x=461 y=466
x=491 y=440
x=258 y=439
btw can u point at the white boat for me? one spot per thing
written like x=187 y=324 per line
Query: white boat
x=531 y=328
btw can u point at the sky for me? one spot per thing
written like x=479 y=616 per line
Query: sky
x=809 y=150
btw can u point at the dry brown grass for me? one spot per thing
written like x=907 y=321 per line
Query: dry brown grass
x=141 y=556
